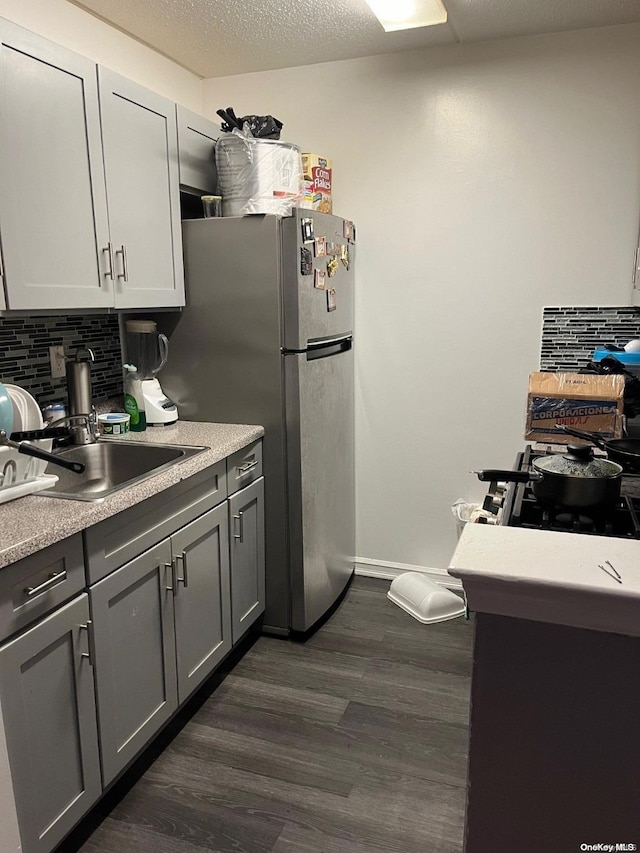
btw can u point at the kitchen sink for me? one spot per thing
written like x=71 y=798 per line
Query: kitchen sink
x=112 y=465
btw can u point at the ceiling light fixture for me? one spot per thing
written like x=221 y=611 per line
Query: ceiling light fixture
x=407 y=14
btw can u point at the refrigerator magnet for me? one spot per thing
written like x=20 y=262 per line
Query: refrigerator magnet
x=331 y=299
x=306 y=261
x=307 y=230
x=320 y=279
x=321 y=247
x=332 y=267
x=344 y=254
x=347 y=229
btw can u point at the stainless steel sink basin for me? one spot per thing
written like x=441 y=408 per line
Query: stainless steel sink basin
x=112 y=465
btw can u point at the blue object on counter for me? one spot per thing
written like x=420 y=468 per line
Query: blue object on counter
x=627 y=358
x=6 y=410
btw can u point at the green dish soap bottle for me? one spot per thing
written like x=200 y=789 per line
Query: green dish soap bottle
x=134 y=399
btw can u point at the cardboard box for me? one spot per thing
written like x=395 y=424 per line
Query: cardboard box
x=317 y=178
x=588 y=402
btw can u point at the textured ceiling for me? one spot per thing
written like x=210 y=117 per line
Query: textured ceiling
x=214 y=38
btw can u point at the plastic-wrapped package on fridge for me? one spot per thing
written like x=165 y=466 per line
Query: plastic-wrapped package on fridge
x=258 y=175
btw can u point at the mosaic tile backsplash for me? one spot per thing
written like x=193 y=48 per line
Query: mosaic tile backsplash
x=570 y=335
x=24 y=353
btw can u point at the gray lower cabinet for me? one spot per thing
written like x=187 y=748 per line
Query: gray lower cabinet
x=246 y=522
x=132 y=614
x=161 y=624
x=173 y=583
x=49 y=717
x=201 y=603
x=53 y=209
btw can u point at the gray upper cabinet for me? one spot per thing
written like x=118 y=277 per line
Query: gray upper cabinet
x=201 y=604
x=141 y=166
x=53 y=211
x=49 y=716
x=196 y=149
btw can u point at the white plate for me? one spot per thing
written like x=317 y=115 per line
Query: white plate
x=26 y=416
x=26 y=411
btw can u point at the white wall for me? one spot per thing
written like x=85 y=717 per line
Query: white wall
x=486 y=181
x=77 y=30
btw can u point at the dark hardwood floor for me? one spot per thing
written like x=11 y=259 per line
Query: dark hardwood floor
x=353 y=741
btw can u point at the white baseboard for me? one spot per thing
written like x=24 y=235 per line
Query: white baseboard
x=388 y=571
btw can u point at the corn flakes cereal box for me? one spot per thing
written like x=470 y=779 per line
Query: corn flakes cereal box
x=317 y=177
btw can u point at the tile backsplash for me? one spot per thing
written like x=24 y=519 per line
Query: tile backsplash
x=24 y=353
x=570 y=335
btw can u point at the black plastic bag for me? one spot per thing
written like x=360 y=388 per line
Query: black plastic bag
x=610 y=364
x=260 y=127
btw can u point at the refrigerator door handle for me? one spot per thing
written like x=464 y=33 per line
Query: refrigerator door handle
x=327 y=342
x=328 y=348
x=321 y=347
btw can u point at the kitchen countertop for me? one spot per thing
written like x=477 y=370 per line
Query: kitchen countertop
x=31 y=523
x=549 y=576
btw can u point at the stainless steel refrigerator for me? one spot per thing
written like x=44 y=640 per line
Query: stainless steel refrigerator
x=267 y=338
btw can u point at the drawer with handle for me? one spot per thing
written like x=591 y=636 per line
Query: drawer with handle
x=244 y=466
x=37 y=584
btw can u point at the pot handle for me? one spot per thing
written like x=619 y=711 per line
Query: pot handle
x=488 y=475
x=32 y=450
x=593 y=437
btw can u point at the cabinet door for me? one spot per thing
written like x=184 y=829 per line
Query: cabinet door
x=53 y=213
x=48 y=706
x=196 y=151
x=132 y=612
x=246 y=521
x=141 y=163
x=202 y=612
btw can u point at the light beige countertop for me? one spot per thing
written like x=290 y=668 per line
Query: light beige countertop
x=549 y=576
x=31 y=523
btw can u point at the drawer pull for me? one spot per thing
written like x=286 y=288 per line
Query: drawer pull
x=240 y=527
x=90 y=654
x=184 y=579
x=174 y=585
x=244 y=469
x=53 y=579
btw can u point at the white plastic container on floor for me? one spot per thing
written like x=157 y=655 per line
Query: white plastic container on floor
x=425 y=600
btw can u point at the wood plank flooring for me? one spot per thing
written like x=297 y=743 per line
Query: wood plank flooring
x=354 y=741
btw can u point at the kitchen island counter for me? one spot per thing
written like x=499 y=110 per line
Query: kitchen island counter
x=549 y=576
x=553 y=751
x=31 y=523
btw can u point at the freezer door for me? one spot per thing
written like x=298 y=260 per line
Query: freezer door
x=310 y=311
x=319 y=410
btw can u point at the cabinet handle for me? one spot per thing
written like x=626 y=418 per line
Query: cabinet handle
x=1 y=267
x=109 y=250
x=174 y=586
x=53 y=579
x=123 y=251
x=244 y=469
x=90 y=654
x=240 y=534
x=184 y=579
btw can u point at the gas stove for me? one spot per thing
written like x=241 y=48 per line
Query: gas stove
x=514 y=505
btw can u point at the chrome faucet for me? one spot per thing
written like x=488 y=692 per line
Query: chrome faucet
x=84 y=433
x=80 y=403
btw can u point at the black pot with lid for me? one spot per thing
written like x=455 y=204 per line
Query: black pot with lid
x=575 y=479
